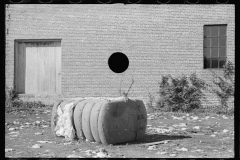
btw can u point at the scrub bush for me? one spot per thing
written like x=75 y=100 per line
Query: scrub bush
x=12 y=102
x=225 y=85
x=182 y=93
x=10 y=98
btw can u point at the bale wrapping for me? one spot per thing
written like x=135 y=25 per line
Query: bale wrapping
x=112 y=121
x=122 y=121
x=62 y=119
x=102 y=120
x=86 y=114
x=54 y=116
x=77 y=119
x=94 y=120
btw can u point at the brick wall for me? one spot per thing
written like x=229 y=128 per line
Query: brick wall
x=158 y=39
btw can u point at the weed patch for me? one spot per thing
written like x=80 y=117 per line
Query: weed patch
x=181 y=93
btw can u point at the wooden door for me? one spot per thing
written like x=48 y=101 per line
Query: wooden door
x=38 y=67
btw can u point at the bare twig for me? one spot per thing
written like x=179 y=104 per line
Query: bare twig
x=120 y=88
x=126 y=94
x=154 y=143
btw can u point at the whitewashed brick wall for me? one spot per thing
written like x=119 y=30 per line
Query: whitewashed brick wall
x=158 y=39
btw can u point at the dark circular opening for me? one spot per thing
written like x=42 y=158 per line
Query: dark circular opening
x=118 y=62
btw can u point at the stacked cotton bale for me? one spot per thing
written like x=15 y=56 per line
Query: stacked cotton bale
x=102 y=120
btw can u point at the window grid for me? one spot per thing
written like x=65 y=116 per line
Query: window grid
x=218 y=44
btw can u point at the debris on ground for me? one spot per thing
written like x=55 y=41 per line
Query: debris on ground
x=102 y=154
x=184 y=129
x=12 y=129
x=44 y=126
x=150 y=117
x=196 y=127
x=173 y=155
x=27 y=123
x=212 y=131
x=67 y=143
x=199 y=150
x=206 y=118
x=178 y=118
x=152 y=147
x=36 y=146
x=38 y=133
x=224 y=117
x=225 y=131
x=44 y=142
x=14 y=122
x=90 y=152
x=194 y=117
x=38 y=122
x=14 y=132
x=155 y=143
x=161 y=153
x=9 y=150
x=182 y=149
x=75 y=156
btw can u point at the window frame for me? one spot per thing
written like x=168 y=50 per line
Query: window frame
x=210 y=47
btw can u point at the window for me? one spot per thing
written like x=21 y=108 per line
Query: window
x=215 y=39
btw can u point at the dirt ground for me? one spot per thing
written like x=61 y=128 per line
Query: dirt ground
x=28 y=134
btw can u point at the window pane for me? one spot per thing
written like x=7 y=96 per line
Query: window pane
x=207 y=42
x=222 y=52
x=223 y=30
x=222 y=41
x=221 y=62
x=214 y=52
x=207 y=52
x=214 y=63
x=207 y=30
x=214 y=31
x=206 y=62
x=214 y=42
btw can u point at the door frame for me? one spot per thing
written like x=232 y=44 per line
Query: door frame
x=16 y=44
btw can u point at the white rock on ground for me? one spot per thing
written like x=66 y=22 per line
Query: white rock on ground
x=199 y=150
x=36 y=146
x=224 y=117
x=102 y=155
x=182 y=149
x=75 y=156
x=9 y=150
x=11 y=129
x=225 y=131
x=173 y=155
x=38 y=133
x=161 y=153
x=153 y=147
x=196 y=127
x=182 y=125
x=183 y=129
x=14 y=132
x=194 y=118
